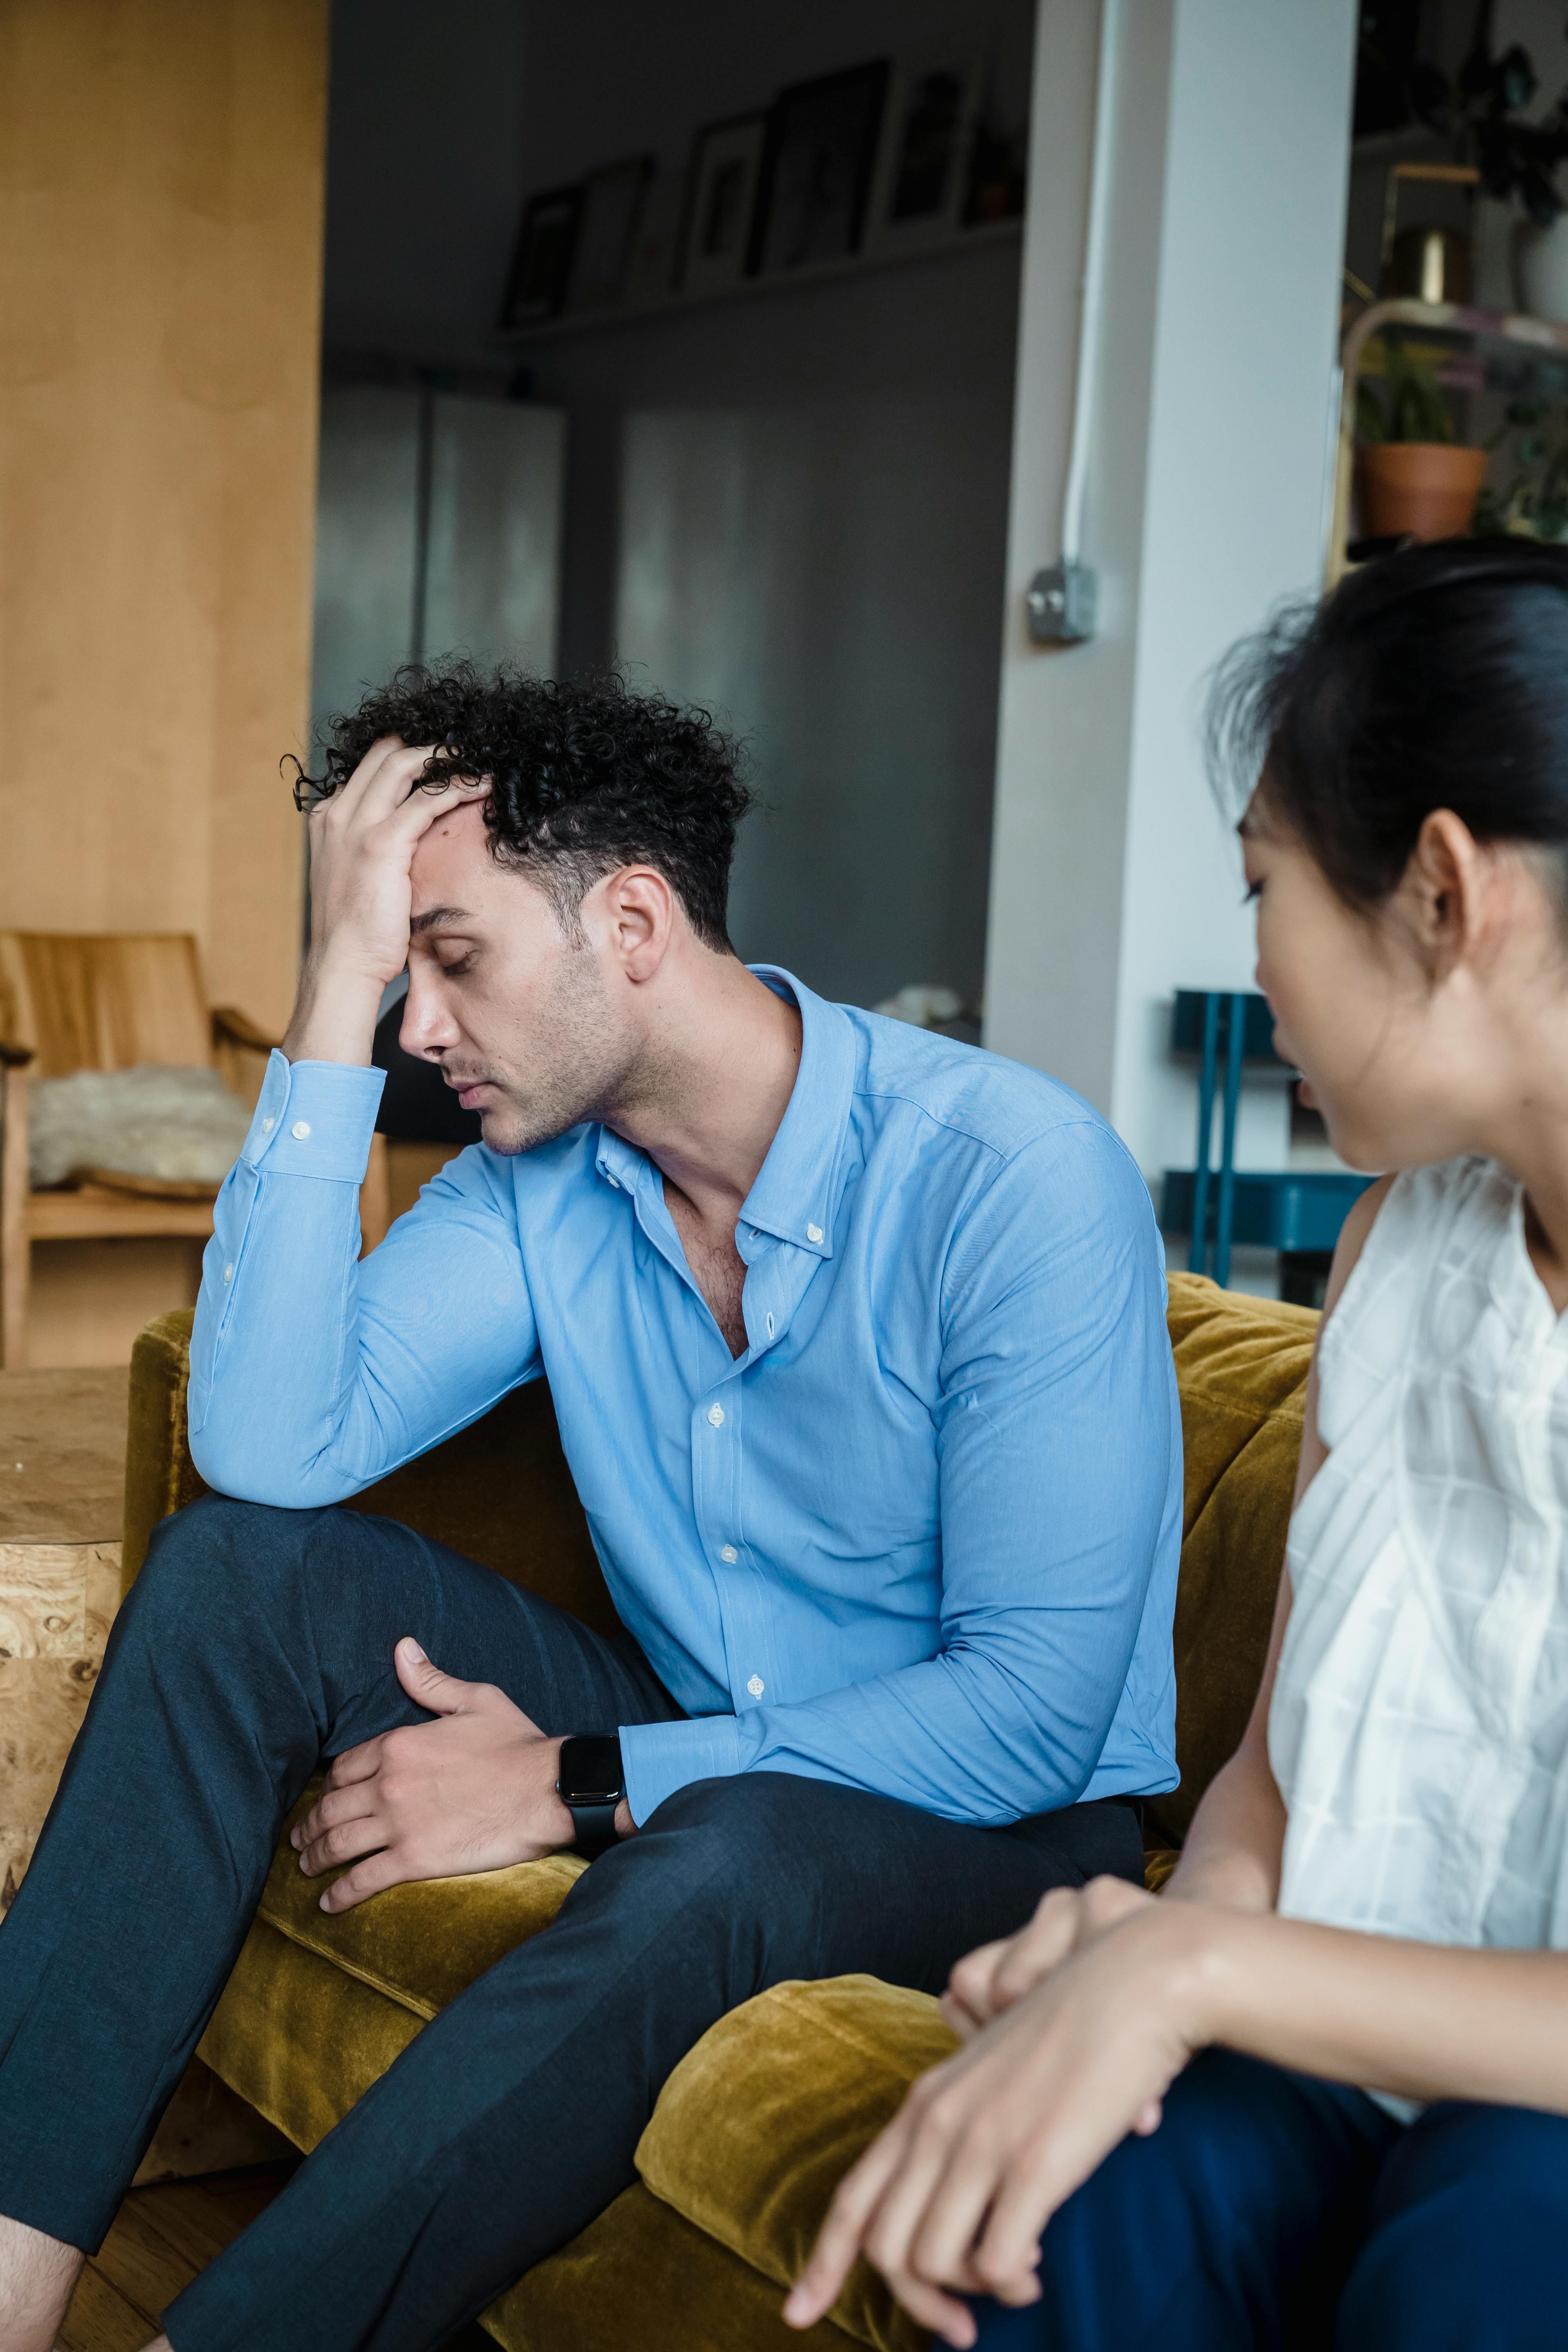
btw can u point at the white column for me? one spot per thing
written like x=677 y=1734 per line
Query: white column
x=1113 y=879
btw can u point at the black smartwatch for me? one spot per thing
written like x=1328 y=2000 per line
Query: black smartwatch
x=590 y=1786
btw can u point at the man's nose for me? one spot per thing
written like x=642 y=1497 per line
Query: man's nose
x=427 y=1027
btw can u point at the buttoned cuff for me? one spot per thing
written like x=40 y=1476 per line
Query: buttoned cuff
x=659 y=1757
x=314 y=1119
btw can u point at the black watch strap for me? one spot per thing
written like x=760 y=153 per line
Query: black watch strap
x=594 y=1828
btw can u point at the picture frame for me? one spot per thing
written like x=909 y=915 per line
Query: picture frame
x=656 y=242
x=720 y=202
x=541 y=259
x=922 y=174
x=613 y=200
x=817 y=163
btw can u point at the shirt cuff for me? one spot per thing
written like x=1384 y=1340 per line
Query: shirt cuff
x=314 y=1119
x=659 y=1757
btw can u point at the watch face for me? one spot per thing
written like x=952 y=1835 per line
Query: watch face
x=591 y=1771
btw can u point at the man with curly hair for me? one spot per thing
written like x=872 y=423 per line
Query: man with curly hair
x=856 y=1340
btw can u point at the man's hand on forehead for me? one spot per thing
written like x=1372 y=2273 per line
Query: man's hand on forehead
x=362 y=842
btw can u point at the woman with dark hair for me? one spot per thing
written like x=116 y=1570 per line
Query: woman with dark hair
x=1317 y=2092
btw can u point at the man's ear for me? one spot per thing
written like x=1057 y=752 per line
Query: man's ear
x=636 y=918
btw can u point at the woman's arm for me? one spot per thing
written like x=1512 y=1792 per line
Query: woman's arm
x=954 y=2196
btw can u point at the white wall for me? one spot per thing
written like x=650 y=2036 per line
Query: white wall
x=1114 y=880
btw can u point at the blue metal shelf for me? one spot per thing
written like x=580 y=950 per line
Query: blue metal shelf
x=1268 y=1210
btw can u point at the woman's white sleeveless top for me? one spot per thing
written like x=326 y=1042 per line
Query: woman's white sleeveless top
x=1419 y=1728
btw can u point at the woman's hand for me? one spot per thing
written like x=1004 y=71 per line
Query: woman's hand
x=953 y=2197
x=991 y=1977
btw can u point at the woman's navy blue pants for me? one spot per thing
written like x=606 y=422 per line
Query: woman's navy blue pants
x=1274 y=2213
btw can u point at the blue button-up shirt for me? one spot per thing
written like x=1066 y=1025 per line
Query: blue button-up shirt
x=919 y=1538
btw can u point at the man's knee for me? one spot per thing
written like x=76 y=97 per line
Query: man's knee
x=202 y=1557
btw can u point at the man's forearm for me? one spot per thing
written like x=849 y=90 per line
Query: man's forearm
x=334 y=1014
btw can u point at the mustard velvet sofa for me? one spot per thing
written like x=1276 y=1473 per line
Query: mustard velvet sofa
x=758 y=2123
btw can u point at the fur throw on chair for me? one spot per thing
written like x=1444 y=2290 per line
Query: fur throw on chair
x=179 y=1126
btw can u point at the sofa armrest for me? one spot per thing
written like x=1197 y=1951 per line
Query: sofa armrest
x=500 y=1491
x=232 y=1027
x=160 y=1475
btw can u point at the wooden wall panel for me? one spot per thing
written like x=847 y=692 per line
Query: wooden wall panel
x=160 y=211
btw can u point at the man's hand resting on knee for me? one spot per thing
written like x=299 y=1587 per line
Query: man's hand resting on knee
x=474 y=1790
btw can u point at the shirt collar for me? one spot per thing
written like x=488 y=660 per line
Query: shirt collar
x=796 y=1194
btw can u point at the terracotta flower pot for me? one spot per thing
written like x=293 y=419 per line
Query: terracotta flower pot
x=1418 y=490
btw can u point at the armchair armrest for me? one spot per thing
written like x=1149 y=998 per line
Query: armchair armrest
x=160 y=1475
x=232 y=1027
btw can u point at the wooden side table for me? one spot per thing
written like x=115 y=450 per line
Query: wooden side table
x=62 y=1480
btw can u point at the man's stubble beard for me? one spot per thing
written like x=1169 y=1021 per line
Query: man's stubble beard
x=583 y=1065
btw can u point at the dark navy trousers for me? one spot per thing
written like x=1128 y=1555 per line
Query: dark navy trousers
x=254 y=1643
x=1271 y=2213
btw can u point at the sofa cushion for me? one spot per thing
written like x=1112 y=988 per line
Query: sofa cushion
x=641 y=2278
x=1241 y=1370
x=759 y=2123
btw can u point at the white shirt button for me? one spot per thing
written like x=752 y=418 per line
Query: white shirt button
x=814 y=1233
x=612 y=1181
x=301 y=1129
x=729 y=1555
x=716 y=1415
x=268 y=1124
x=756 y=1685
x=228 y=1274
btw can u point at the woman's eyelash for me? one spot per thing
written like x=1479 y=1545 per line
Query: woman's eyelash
x=1253 y=890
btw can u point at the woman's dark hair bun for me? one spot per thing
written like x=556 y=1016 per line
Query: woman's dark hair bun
x=1435 y=677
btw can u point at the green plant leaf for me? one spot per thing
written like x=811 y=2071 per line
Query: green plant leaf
x=1371 y=424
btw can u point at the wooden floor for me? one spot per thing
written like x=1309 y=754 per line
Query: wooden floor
x=162 y=2237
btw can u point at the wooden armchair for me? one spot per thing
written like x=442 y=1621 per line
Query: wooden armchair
x=82 y=1001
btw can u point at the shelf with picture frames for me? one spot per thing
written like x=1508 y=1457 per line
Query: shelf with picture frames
x=1501 y=352
x=983 y=234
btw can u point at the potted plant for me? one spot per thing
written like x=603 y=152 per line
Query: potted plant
x=1414 y=480
x=1528 y=495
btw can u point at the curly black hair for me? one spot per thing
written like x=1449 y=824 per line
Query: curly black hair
x=587 y=775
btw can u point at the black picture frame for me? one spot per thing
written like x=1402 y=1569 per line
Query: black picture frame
x=608 y=222
x=816 y=168
x=720 y=207
x=542 y=258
